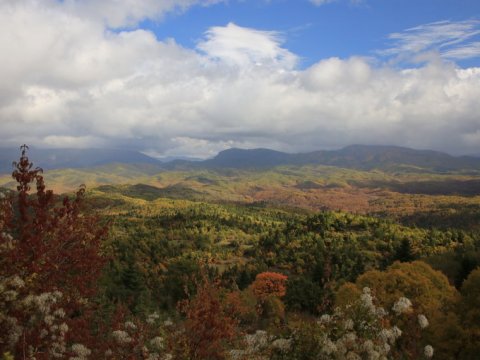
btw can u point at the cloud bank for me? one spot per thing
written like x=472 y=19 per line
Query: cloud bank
x=69 y=80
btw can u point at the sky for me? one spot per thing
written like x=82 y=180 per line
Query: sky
x=194 y=77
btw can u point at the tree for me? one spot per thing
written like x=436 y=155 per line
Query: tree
x=210 y=323
x=268 y=288
x=470 y=314
x=404 y=251
x=303 y=295
x=50 y=259
x=269 y=284
x=428 y=290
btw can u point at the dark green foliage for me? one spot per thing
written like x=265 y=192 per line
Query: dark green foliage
x=456 y=265
x=303 y=295
x=453 y=216
x=241 y=276
x=404 y=252
x=179 y=281
x=468 y=263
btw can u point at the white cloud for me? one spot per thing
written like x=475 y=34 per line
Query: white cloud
x=120 y=13
x=78 y=142
x=321 y=2
x=466 y=51
x=245 y=47
x=452 y=40
x=69 y=81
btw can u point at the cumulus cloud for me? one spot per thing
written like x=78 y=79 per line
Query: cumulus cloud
x=70 y=81
x=244 y=47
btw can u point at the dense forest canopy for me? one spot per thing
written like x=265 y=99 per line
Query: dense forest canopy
x=143 y=272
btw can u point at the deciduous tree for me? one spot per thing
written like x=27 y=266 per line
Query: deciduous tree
x=52 y=251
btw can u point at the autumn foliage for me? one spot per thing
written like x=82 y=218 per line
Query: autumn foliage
x=55 y=241
x=162 y=251
x=51 y=249
x=268 y=284
x=210 y=323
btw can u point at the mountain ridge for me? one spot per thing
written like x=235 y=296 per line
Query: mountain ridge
x=362 y=157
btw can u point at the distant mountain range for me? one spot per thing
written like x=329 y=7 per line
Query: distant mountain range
x=362 y=157
x=49 y=159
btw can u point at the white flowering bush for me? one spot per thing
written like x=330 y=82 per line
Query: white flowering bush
x=358 y=331
x=403 y=305
x=428 y=351
x=9 y=323
x=422 y=321
x=140 y=340
x=261 y=345
x=27 y=316
x=80 y=352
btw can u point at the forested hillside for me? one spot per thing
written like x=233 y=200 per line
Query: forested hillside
x=309 y=262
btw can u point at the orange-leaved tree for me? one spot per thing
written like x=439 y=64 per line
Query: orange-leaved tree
x=268 y=288
x=269 y=284
x=210 y=324
x=50 y=260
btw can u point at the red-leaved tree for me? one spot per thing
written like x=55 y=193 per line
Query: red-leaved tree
x=50 y=260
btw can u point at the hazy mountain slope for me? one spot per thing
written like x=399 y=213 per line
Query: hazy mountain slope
x=74 y=158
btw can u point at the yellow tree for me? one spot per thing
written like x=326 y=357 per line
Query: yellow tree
x=430 y=293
